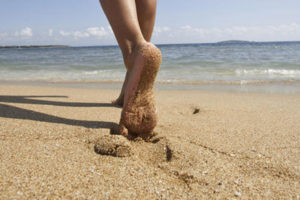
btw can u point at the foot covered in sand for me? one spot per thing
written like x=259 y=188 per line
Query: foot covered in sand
x=120 y=100
x=139 y=116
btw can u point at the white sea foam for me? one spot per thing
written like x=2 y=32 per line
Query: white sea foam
x=280 y=72
x=91 y=72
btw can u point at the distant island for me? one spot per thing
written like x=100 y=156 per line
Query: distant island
x=33 y=46
x=236 y=42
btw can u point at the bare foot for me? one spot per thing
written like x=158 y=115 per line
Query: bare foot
x=120 y=100
x=139 y=116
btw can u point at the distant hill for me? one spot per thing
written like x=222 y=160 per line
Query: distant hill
x=236 y=42
x=34 y=46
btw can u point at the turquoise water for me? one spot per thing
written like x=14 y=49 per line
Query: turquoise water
x=241 y=64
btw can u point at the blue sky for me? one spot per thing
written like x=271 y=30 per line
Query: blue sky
x=82 y=22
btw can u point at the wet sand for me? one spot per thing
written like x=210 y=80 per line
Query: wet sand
x=210 y=145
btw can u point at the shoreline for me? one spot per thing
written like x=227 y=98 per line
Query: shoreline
x=283 y=87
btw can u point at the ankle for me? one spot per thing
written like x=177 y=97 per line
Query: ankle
x=129 y=53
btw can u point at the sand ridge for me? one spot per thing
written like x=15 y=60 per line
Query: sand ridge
x=235 y=146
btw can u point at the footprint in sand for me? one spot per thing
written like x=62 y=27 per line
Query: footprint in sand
x=154 y=150
x=113 y=145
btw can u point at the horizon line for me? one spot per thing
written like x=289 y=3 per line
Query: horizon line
x=159 y=44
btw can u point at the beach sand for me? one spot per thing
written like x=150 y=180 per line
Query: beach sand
x=210 y=145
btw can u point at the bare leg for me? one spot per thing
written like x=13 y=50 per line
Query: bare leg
x=146 y=11
x=142 y=60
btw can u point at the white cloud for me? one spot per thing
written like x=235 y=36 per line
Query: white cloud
x=75 y=34
x=25 y=32
x=160 y=29
x=97 y=31
x=78 y=34
x=186 y=27
x=50 y=32
x=63 y=33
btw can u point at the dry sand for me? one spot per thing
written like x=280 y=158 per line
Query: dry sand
x=210 y=145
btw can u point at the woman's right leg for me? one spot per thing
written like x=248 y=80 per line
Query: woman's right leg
x=146 y=11
x=123 y=19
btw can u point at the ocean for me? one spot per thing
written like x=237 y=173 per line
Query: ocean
x=273 y=66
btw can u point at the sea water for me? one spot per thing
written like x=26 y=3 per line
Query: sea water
x=272 y=64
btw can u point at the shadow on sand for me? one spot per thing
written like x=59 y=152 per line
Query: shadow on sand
x=8 y=111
